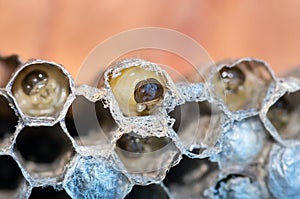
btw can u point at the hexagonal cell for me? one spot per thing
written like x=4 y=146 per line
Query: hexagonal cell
x=284 y=115
x=138 y=86
x=148 y=192
x=12 y=182
x=90 y=123
x=8 y=119
x=41 y=89
x=238 y=185
x=149 y=157
x=7 y=66
x=242 y=144
x=283 y=170
x=95 y=177
x=198 y=125
x=190 y=177
x=242 y=85
x=43 y=151
x=48 y=193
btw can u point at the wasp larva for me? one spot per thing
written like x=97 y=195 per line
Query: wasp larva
x=138 y=91
x=233 y=79
x=137 y=153
x=40 y=89
x=230 y=84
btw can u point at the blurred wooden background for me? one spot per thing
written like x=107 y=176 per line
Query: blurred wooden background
x=66 y=31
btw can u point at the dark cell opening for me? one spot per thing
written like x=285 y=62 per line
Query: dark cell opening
x=153 y=191
x=10 y=173
x=177 y=174
x=85 y=116
x=185 y=113
x=43 y=144
x=104 y=117
x=7 y=66
x=48 y=193
x=280 y=112
x=8 y=119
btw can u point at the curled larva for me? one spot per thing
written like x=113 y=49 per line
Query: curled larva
x=138 y=91
x=242 y=84
x=40 y=89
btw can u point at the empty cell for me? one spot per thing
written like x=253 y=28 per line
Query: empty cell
x=284 y=115
x=7 y=66
x=197 y=124
x=43 y=151
x=8 y=119
x=43 y=144
x=48 y=193
x=190 y=177
x=10 y=174
x=89 y=121
x=153 y=191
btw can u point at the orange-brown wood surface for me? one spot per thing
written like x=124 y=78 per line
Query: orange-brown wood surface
x=66 y=31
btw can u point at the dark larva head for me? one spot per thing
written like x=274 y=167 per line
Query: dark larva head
x=148 y=90
x=34 y=81
x=233 y=78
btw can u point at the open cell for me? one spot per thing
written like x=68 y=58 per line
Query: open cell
x=147 y=192
x=41 y=89
x=88 y=122
x=190 y=177
x=12 y=182
x=48 y=193
x=284 y=115
x=8 y=119
x=48 y=148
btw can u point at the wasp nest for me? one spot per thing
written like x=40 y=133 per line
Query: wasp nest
x=140 y=134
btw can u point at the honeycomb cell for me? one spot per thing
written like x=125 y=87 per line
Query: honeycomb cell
x=48 y=193
x=143 y=156
x=138 y=86
x=41 y=89
x=242 y=144
x=89 y=123
x=95 y=177
x=8 y=118
x=44 y=151
x=236 y=186
x=190 y=177
x=10 y=173
x=152 y=191
x=7 y=65
x=242 y=85
x=284 y=170
x=198 y=125
x=12 y=182
x=284 y=115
